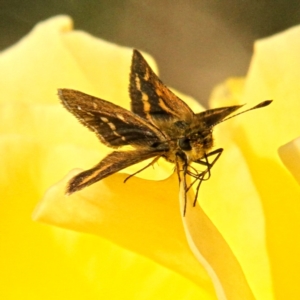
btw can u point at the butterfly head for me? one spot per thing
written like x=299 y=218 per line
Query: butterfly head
x=198 y=137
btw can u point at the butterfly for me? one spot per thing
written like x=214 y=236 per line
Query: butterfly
x=159 y=125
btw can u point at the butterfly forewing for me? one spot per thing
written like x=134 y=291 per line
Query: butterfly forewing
x=150 y=98
x=114 y=125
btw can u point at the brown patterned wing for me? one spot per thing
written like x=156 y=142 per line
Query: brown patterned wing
x=213 y=116
x=150 y=98
x=114 y=125
x=111 y=164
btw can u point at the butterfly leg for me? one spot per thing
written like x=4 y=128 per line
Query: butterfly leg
x=185 y=169
x=209 y=165
x=196 y=175
x=204 y=161
x=182 y=165
x=150 y=164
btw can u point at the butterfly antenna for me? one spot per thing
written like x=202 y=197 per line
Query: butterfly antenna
x=261 y=104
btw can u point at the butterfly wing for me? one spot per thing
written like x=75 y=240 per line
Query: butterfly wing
x=150 y=98
x=213 y=116
x=114 y=125
x=111 y=164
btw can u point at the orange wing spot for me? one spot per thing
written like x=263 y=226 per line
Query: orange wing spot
x=147 y=75
x=158 y=91
x=90 y=177
x=105 y=120
x=111 y=126
x=163 y=106
x=137 y=82
x=120 y=117
x=145 y=97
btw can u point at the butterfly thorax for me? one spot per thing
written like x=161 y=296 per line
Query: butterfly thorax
x=188 y=141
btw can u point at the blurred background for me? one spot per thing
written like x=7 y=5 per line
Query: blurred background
x=196 y=43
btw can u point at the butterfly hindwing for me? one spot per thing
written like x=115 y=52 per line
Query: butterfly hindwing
x=111 y=164
x=114 y=125
x=214 y=116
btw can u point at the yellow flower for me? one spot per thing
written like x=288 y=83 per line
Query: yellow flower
x=244 y=234
x=40 y=143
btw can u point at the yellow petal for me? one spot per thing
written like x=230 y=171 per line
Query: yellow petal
x=273 y=74
x=290 y=156
x=228 y=93
x=34 y=257
x=231 y=218
x=71 y=59
x=140 y=215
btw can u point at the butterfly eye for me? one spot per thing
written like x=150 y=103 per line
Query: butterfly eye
x=184 y=144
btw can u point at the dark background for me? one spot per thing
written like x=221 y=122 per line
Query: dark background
x=197 y=44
